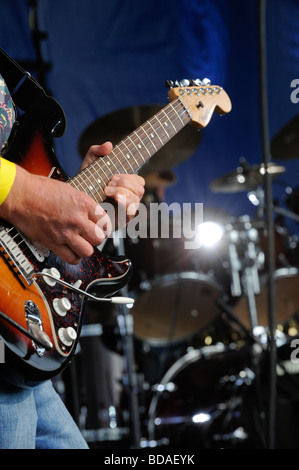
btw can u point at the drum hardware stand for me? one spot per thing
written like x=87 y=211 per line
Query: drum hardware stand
x=257 y=354
x=244 y=273
x=228 y=311
x=126 y=329
x=286 y=213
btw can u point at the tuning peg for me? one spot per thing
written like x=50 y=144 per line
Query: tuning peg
x=169 y=84
x=206 y=81
x=196 y=82
x=184 y=82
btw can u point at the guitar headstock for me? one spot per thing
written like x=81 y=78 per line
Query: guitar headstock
x=200 y=99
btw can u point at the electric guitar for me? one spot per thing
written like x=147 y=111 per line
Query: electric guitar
x=42 y=298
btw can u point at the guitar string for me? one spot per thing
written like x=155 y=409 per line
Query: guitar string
x=137 y=140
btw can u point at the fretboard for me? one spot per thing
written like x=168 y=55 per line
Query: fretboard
x=132 y=152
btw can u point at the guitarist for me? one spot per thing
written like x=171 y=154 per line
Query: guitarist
x=69 y=223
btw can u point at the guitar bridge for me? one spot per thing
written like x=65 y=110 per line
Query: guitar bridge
x=35 y=327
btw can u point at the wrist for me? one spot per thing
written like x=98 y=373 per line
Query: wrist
x=7 y=177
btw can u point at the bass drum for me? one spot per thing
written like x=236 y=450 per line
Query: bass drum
x=204 y=401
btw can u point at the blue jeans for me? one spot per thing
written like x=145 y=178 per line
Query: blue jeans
x=35 y=417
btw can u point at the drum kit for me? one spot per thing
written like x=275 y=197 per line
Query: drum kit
x=186 y=366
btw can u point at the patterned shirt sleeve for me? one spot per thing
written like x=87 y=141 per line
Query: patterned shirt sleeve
x=7 y=114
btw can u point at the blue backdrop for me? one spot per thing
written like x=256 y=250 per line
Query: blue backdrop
x=107 y=55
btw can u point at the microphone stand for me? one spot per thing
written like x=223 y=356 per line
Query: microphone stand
x=270 y=229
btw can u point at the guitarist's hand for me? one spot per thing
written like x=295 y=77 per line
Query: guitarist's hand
x=58 y=216
x=125 y=189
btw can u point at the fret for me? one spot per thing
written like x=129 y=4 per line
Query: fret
x=163 y=126
x=113 y=156
x=156 y=135
x=153 y=140
x=76 y=182
x=170 y=121
x=147 y=140
x=109 y=160
x=132 y=155
x=177 y=114
x=100 y=181
x=176 y=120
x=140 y=154
x=100 y=163
x=119 y=161
x=126 y=158
x=79 y=182
x=141 y=145
x=89 y=185
x=93 y=187
x=184 y=112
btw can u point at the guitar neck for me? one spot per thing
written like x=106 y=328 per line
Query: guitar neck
x=133 y=151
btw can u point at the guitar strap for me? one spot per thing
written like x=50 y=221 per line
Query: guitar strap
x=26 y=92
x=24 y=89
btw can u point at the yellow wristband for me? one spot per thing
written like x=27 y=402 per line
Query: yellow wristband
x=7 y=177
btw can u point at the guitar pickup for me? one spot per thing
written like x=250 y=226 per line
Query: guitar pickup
x=38 y=251
x=14 y=253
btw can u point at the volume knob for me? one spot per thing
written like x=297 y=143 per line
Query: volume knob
x=53 y=272
x=67 y=335
x=62 y=306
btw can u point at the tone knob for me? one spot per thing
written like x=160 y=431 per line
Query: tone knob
x=53 y=272
x=67 y=335
x=62 y=306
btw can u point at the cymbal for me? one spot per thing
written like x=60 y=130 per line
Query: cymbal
x=245 y=178
x=285 y=144
x=117 y=125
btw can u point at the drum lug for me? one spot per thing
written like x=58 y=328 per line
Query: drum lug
x=168 y=387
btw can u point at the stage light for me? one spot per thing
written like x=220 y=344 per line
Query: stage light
x=201 y=418
x=209 y=233
x=253 y=198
